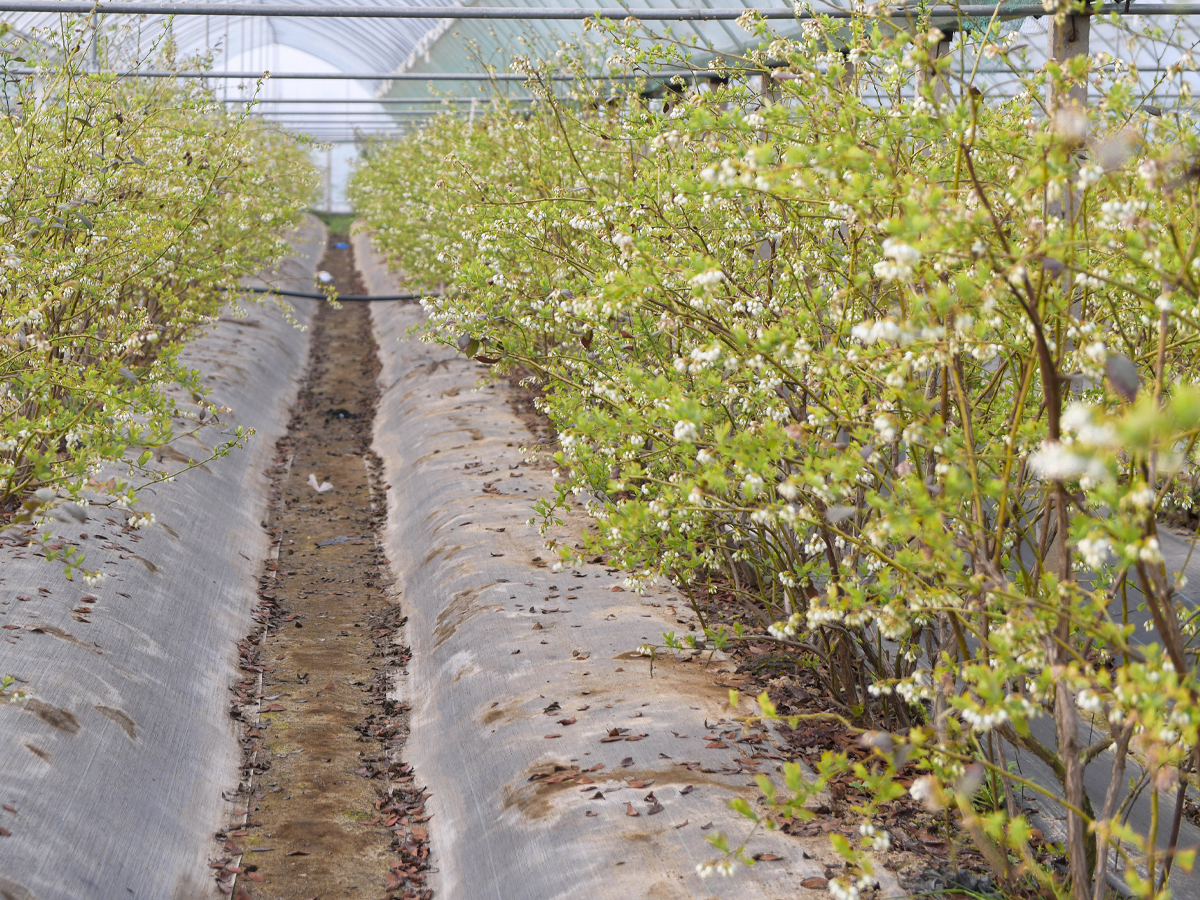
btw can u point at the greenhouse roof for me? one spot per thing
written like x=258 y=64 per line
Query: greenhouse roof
x=370 y=42
x=347 y=44
x=466 y=44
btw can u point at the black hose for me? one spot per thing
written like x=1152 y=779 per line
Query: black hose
x=313 y=295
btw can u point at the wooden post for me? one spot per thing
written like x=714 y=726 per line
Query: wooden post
x=1068 y=39
x=768 y=89
x=1067 y=105
x=329 y=179
x=769 y=94
x=928 y=74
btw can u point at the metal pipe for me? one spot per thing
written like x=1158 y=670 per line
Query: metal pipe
x=368 y=11
x=346 y=76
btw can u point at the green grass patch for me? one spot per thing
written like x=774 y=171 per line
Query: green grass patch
x=337 y=223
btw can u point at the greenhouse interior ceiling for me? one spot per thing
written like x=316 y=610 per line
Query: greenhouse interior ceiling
x=326 y=76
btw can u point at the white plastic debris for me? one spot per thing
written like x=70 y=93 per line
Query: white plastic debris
x=324 y=277
x=319 y=488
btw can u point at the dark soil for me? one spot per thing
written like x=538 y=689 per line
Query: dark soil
x=523 y=397
x=327 y=808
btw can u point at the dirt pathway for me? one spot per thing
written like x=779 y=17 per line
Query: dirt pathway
x=330 y=811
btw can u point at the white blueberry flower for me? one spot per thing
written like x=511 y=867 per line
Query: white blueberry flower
x=898 y=261
x=1095 y=550
x=1089 y=175
x=925 y=791
x=686 y=432
x=1055 y=462
x=707 y=280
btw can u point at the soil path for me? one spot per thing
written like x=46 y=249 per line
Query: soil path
x=329 y=804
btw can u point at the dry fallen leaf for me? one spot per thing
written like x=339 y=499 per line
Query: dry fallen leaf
x=630 y=811
x=570 y=721
x=814 y=884
x=590 y=814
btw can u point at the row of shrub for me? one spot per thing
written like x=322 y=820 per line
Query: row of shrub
x=903 y=365
x=128 y=210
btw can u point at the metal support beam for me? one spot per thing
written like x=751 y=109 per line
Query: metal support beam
x=677 y=14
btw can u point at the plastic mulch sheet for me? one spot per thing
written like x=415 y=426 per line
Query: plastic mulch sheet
x=116 y=763
x=560 y=764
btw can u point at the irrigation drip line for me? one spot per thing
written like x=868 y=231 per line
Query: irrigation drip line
x=387 y=100
x=685 y=14
x=313 y=295
x=352 y=115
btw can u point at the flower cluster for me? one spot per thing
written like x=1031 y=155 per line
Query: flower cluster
x=129 y=209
